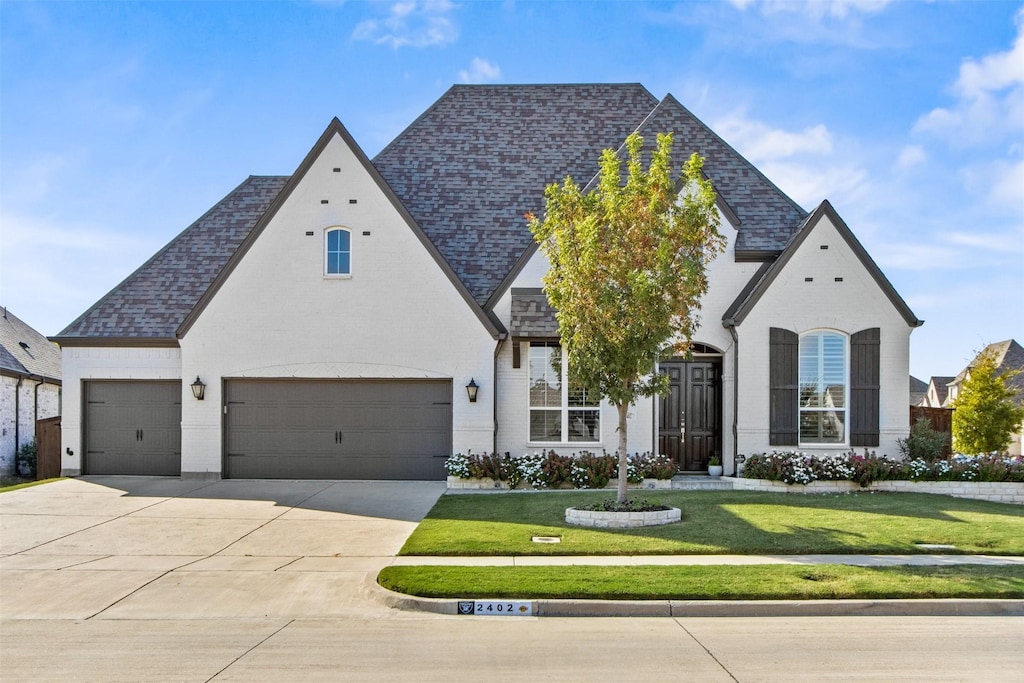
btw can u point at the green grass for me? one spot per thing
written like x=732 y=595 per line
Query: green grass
x=723 y=522
x=759 y=582
x=25 y=484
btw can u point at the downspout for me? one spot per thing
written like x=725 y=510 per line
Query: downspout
x=730 y=324
x=17 y=414
x=494 y=392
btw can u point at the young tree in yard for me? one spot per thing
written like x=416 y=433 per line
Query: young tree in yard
x=985 y=417
x=628 y=269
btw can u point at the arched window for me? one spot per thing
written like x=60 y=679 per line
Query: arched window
x=337 y=251
x=823 y=388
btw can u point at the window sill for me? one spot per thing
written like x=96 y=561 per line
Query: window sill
x=338 y=277
x=588 y=445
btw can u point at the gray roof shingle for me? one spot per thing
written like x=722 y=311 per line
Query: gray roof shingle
x=154 y=300
x=467 y=170
x=23 y=351
x=532 y=315
x=473 y=164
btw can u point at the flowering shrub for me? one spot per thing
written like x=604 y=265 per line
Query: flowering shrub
x=800 y=468
x=551 y=470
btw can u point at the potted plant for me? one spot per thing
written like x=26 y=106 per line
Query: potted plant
x=715 y=466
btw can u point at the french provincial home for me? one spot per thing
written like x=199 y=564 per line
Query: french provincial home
x=365 y=318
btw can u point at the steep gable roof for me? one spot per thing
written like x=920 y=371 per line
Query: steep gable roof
x=1008 y=355
x=25 y=352
x=150 y=304
x=763 y=279
x=480 y=157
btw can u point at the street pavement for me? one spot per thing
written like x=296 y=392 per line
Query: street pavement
x=132 y=579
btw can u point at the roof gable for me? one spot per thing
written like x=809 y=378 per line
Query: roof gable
x=751 y=294
x=480 y=157
x=335 y=128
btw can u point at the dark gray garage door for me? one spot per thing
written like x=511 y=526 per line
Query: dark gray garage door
x=133 y=428
x=338 y=429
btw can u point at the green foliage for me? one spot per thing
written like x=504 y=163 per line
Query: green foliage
x=923 y=442
x=985 y=417
x=628 y=269
x=25 y=460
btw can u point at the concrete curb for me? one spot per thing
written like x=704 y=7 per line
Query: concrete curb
x=940 y=607
x=952 y=607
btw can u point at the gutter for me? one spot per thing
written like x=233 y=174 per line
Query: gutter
x=502 y=338
x=730 y=324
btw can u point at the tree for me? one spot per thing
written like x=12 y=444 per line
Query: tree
x=985 y=417
x=628 y=269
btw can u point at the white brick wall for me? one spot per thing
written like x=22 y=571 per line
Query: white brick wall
x=32 y=404
x=398 y=316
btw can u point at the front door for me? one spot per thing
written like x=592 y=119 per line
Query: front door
x=689 y=416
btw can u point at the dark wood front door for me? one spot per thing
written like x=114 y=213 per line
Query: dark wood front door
x=689 y=416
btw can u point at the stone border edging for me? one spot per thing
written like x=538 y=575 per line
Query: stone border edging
x=601 y=519
x=994 y=491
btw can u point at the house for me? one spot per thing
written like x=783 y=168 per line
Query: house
x=30 y=385
x=1008 y=355
x=918 y=392
x=937 y=395
x=365 y=318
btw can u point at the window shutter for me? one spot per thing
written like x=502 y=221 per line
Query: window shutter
x=783 y=380
x=864 y=383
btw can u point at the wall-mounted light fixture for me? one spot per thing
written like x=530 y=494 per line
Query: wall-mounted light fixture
x=198 y=389
x=471 y=390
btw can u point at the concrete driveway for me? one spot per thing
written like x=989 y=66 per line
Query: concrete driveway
x=155 y=548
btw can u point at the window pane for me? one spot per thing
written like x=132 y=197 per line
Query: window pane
x=343 y=263
x=822 y=426
x=584 y=425
x=545 y=425
x=545 y=381
x=332 y=240
x=344 y=239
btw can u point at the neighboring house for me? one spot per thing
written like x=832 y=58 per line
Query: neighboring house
x=937 y=395
x=30 y=385
x=1009 y=355
x=338 y=319
x=918 y=392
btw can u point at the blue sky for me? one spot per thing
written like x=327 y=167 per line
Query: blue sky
x=121 y=123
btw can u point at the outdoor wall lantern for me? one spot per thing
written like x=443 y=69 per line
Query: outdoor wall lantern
x=471 y=390
x=198 y=389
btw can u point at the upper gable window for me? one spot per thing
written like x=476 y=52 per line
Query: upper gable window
x=338 y=252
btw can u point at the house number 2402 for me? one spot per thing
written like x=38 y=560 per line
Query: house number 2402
x=495 y=607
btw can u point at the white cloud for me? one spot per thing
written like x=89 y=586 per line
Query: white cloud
x=817 y=9
x=760 y=142
x=480 y=71
x=911 y=155
x=411 y=23
x=990 y=98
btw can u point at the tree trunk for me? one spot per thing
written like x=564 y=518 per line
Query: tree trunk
x=623 y=459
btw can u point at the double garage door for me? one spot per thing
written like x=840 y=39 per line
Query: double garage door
x=338 y=429
x=279 y=429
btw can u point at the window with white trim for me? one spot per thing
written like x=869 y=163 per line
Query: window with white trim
x=823 y=388
x=337 y=252
x=560 y=410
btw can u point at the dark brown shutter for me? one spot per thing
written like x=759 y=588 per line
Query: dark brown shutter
x=864 y=374
x=783 y=380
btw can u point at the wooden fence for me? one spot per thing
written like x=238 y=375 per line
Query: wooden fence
x=940 y=419
x=48 y=448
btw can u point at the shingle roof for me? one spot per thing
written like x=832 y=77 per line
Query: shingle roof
x=154 y=300
x=532 y=315
x=473 y=164
x=1008 y=355
x=23 y=351
x=768 y=218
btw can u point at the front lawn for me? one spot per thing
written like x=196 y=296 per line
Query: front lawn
x=724 y=522
x=759 y=582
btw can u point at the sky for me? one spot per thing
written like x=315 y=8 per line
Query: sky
x=123 y=122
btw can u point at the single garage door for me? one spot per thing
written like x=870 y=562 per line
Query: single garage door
x=132 y=427
x=338 y=429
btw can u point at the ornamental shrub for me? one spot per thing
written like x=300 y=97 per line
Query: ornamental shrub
x=923 y=442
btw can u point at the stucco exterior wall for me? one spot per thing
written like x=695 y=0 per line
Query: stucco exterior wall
x=278 y=315
x=85 y=363
x=848 y=306
x=20 y=407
